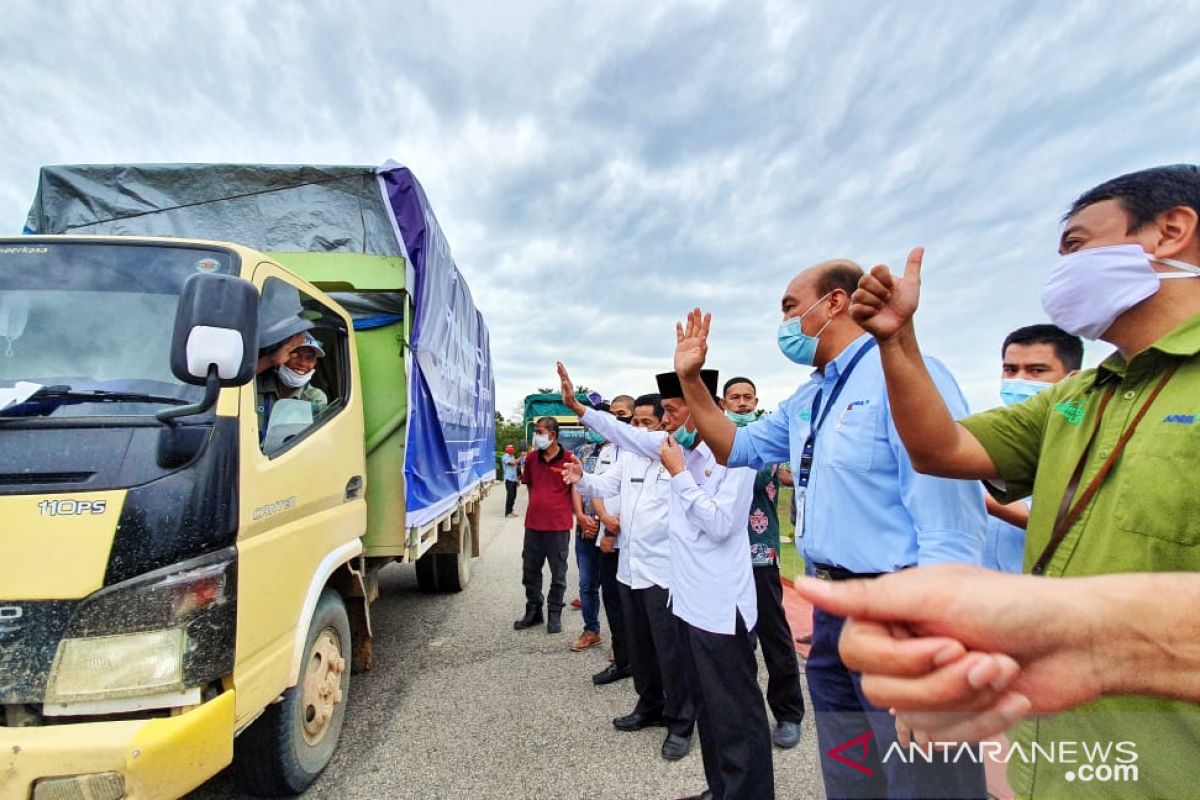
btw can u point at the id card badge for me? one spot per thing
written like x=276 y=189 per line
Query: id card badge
x=800 y=492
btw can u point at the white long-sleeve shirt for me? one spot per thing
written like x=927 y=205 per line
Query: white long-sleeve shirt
x=711 y=579
x=643 y=486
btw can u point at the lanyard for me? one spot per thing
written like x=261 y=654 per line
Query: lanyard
x=816 y=421
x=1068 y=515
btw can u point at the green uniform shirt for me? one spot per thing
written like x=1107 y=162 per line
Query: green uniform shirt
x=1144 y=518
x=763 y=525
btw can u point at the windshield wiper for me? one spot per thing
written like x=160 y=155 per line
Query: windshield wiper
x=65 y=395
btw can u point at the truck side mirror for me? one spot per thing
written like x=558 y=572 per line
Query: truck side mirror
x=214 y=343
x=216 y=325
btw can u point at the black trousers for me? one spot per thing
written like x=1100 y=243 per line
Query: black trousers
x=735 y=737
x=784 y=697
x=510 y=496
x=543 y=546
x=659 y=658
x=610 y=595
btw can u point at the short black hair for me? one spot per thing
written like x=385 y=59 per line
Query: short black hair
x=1068 y=348
x=739 y=379
x=549 y=423
x=622 y=398
x=1146 y=194
x=841 y=274
x=654 y=400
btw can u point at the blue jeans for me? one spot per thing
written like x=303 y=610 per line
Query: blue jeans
x=844 y=716
x=587 y=558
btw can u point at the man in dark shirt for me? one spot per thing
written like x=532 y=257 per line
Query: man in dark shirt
x=547 y=527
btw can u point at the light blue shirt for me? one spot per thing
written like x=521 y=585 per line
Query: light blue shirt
x=510 y=467
x=1004 y=546
x=866 y=509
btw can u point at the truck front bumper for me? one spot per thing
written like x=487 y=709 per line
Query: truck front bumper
x=156 y=758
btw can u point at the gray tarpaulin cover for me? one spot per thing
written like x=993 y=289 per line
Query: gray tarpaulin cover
x=278 y=208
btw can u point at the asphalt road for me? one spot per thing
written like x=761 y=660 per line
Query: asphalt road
x=461 y=705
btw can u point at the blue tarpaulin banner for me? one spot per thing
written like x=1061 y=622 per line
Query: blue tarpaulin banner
x=452 y=423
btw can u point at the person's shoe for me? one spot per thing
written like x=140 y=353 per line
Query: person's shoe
x=675 y=747
x=586 y=639
x=611 y=674
x=533 y=616
x=786 y=735
x=636 y=720
x=705 y=795
x=576 y=603
x=554 y=622
x=510 y=514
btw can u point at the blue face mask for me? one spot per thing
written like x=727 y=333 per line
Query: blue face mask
x=741 y=420
x=797 y=345
x=686 y=438
x=593 y=437
x=1017 y=390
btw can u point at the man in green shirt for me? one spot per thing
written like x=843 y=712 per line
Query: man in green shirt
x=1110 y=456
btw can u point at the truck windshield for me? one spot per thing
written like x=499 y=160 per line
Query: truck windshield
x=85 y=329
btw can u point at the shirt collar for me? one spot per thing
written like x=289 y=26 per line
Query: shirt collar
x=838 y=365
x=1182 y=342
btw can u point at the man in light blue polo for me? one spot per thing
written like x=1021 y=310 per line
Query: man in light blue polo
x=862 y=510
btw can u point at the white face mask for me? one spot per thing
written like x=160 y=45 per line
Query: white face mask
x=1087 y=290
x=541 y=441
x=292 y=379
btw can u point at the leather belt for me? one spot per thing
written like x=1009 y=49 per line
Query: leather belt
x=827 y=572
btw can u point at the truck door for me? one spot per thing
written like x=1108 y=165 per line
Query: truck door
x=302 y=467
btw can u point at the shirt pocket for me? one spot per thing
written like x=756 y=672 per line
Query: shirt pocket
x=1156 y=497
x=853 y=432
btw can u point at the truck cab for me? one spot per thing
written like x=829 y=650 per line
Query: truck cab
x=191 y=544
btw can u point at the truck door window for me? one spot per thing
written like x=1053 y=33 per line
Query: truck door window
x=302 y=377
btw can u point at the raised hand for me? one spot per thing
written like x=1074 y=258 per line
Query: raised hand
x=568 y=391
x=691 y=344
x=884 y=304
x=572 y=472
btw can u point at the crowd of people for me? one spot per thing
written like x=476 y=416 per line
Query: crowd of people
x=915 y=520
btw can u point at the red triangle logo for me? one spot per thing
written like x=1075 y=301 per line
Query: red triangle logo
x=860 y=742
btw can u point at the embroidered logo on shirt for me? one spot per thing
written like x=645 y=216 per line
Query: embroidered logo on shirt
x=1180 y=419
x=1073 y=411
x=759 y=521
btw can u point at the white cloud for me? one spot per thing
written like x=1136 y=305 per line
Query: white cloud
x=599 y=168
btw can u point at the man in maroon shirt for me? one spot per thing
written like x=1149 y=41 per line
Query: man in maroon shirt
x=548 y=521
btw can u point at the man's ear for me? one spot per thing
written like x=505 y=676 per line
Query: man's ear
x=1177 y=233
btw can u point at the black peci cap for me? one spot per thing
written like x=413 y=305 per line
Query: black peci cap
x=670 y=388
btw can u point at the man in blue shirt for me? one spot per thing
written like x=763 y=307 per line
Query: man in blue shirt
x=1033 y=358
x=509 y=461
x=861 y=510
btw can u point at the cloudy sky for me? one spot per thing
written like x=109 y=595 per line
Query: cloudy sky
x=599 y=167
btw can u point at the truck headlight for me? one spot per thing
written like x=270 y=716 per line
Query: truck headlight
x=103 y=667
x=150 y=640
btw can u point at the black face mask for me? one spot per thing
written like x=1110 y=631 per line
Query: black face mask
x=626 y=420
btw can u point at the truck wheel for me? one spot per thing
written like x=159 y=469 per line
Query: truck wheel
x=454 y=569
x=427 y=574
x=286 y=748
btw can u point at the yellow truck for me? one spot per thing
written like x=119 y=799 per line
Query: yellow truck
x=189 y=542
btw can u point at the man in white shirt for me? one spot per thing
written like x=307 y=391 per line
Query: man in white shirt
x=711 y=588
x=657 y=656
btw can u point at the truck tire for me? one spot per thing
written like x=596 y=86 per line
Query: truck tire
x=285 y=749
x=427 y=573
x=454 y=569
